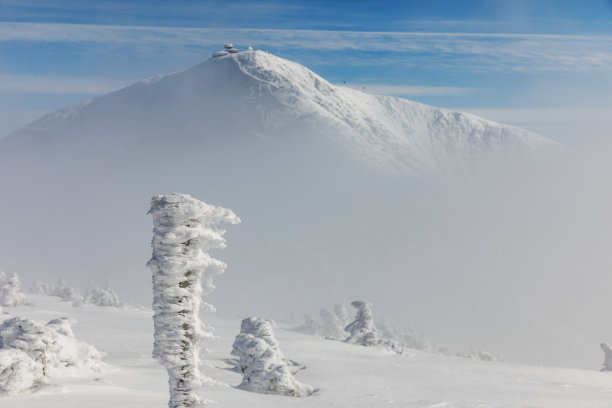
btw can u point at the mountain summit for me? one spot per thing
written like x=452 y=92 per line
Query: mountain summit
x=254 y=94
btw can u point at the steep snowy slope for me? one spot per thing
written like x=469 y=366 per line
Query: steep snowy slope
x=344 y=375
x=256 y=93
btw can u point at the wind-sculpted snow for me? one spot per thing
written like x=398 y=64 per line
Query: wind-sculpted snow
x=185 y=229
x=266 y=370
x=31 y=352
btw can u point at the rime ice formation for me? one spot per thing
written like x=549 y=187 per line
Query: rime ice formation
x=10 y=290
x=185 y=229
x=362 y=330
x=333 y=326
x=18 y=372
x=103 y=297
x=31 y=351
x=265 y=368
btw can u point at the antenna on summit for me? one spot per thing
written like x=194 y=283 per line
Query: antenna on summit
x=229 y=49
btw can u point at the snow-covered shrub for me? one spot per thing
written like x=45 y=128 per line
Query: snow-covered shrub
x=66 y=293
x=52 y=345
x=103 y=297
x=362 y=330
x=265 y=368
x=607 y=364
x=184 y=230
x=10 y=290
x=41 y=288
x=481 y=355
x=332 y=326
x=341 y=314
x=30 y=351
x=310 y=325
x=18 y=372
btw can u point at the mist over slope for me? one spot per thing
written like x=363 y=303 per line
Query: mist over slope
x=340 y=197
x=255 y=94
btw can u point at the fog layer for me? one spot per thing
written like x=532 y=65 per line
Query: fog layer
x=507 y=253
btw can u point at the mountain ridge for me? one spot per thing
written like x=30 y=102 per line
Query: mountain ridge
x=259 y=93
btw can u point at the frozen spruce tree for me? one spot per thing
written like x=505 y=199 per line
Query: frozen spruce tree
x=332 y=326
x=184 y=230
x=362 y=330
x=10 y=290
x=607 y=364
x=265 y=368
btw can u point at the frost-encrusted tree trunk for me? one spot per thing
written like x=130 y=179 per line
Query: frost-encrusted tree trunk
x=184 y=230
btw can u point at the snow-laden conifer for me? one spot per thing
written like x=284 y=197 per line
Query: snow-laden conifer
x=18 y=372
x=266 y=370
x=310 y=325
x=332 y=326
x=31 y=351
x=103 y=297
x=185 y=229
x=10 y=290
x=362 y=330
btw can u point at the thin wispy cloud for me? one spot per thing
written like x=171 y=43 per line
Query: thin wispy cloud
x=52 y=85
x=462 y=51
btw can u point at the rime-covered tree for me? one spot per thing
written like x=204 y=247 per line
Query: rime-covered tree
x=332 y=326
x=10 y=290
x=265 y=368
x=607 y=364
x=362 y=330
x=184 y=230
x=310 y=325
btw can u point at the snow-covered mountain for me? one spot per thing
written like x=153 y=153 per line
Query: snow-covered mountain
x=254 y=93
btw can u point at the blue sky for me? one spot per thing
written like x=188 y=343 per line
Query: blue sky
x=542 y=64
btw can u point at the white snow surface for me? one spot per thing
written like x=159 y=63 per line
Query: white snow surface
x=344 y=375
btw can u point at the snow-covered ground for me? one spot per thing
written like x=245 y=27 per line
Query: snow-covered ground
x=344 y=375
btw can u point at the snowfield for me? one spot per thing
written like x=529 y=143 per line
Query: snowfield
x=343 y=375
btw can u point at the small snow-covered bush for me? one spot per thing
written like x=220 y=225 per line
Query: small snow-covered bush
x=66 y=293
x=51 y=344
x=265 y=368
x=10 y=290
x=310 y=325
x=607 y=364
x=103 y=297
x=332 y=326
x=341 y=314
x=362 y=330
x=18 y=372
x=30 y=351
x=41 y=288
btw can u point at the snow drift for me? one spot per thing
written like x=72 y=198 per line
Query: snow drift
x=32 y=351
